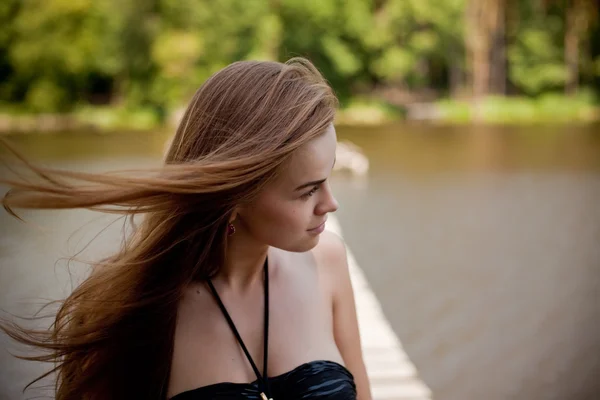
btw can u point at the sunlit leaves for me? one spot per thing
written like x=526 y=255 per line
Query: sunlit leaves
x=155 y=53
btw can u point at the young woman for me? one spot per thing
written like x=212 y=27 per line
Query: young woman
x=229 y=287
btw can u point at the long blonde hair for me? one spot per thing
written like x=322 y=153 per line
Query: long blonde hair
x=112 y=337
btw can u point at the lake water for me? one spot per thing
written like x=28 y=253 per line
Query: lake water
x=482 y=244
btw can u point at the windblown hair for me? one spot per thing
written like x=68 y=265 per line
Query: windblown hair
x=112 y=337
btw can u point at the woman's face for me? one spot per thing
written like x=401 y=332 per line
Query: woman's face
x=290 y=212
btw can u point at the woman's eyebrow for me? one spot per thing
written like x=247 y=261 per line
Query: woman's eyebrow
x=313 y=183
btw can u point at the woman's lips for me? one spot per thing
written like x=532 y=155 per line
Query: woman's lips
x=318 y=229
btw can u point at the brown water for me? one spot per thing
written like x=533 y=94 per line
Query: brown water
x=481 y=244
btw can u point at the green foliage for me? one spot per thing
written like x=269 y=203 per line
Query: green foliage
x=60 y=55
x=46 y=95
x=536 y=62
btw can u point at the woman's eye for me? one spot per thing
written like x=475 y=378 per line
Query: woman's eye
x=312 y=191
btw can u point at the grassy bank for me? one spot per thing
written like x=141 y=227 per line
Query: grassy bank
x=365 y=111
x=359 y=111
x=549 y=108
x=99 y=119
x=93 y=118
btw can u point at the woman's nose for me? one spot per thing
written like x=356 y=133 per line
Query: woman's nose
x=329 y=203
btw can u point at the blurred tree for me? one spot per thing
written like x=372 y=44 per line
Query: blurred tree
x=10 y=87
x=485 y=21
x=535 y=56
x=55 y=54
x=54 y=44
x=579 y=15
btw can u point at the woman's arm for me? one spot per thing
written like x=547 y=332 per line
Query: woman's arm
x=345 y=322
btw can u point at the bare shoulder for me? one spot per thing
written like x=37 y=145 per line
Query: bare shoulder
x=330 y=249
x=332 y=262
x=330 y=254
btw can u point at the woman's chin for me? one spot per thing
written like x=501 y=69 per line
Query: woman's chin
x=310 y=243
x=304 y=245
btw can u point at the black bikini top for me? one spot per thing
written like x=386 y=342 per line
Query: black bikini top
x=318 y=379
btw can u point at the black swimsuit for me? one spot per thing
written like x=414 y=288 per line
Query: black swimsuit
x=319 y=379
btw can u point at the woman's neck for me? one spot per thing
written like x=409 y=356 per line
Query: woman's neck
x=244 y=262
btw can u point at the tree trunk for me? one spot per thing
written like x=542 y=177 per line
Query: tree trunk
x=469 y=30
x=575 y=24
x=477 y=42
x=483 y=26
x=456 y=80
x=498 y=52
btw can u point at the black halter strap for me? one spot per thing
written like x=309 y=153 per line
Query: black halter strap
x=262 y=379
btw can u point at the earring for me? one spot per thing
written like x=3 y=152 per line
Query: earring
x=230 y=229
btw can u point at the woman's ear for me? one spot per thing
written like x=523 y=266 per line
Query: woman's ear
x=233 y=216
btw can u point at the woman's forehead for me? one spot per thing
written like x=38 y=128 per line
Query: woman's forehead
x=313 y=160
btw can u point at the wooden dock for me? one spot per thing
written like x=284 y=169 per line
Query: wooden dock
x=391 y=373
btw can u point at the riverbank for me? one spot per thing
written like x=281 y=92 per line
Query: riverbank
x=109 y=119
x=545 y=109
x=88 y=118
x=548 y=108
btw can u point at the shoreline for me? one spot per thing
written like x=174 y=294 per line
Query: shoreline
x=490 y=111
